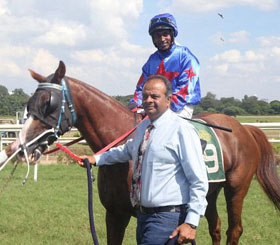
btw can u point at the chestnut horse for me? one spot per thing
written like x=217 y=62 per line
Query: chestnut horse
x=101 y=119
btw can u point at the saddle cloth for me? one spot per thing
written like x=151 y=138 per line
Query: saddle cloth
x=213 y=154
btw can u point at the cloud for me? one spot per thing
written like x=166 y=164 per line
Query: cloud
x=63 y=33
x=9 y=56
x=269 y=40
x=10 y=68
x=240 y=37
x=91 y=38
x=235 y=56
x=3 y=8
x=199 y=6
x=230 y=56
x=253 y=56
x=235 y=73
x=43 y=60
x=110 y=18
x=7 y=51
x=114 y=71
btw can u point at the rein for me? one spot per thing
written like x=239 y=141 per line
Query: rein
x=106 y=148
x=118 y=140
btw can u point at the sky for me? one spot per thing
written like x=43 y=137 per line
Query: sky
x=106 y=42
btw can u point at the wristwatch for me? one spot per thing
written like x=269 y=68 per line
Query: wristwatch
x=192 y=226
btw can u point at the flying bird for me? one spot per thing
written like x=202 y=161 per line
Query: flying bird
x=221 y=15
x=222 y=39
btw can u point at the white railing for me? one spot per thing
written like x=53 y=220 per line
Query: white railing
x=8 y=132
x=268 y=127
x=265 y=126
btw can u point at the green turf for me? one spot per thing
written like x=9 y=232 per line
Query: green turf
x=53 y=210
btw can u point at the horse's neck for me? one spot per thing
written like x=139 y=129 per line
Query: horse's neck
x=100 y=118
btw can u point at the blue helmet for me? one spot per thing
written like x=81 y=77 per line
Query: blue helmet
x=163 y=22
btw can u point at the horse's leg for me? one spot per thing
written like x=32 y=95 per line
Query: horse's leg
x=234 y=199
x=116 y=225
x=211 y=214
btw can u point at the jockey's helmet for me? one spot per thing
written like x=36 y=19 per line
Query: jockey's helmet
x=163 y=22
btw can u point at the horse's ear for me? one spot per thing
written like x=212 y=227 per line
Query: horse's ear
x=37 y=76
x=59 y=73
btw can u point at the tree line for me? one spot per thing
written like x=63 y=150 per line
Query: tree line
x=11 y=103
x=249 y=105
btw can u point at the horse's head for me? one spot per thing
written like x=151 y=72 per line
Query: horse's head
x=50 y=114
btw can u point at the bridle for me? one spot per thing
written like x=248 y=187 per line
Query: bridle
x=57 y=129
x=66 y=97
x=62 y=116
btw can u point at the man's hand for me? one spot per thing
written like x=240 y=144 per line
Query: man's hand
x=186 y=233
x=90 y=158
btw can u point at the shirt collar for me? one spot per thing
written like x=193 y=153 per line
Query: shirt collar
x=162 y=119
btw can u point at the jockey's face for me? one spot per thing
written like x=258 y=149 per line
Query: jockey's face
x=162 y=40
x=155 y=102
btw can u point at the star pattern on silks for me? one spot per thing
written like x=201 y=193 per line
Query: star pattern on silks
x=168 y=74
x=184 y=90
x=190 y=73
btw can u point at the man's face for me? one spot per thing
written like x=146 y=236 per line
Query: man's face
x=154 y=100
x=162 y=39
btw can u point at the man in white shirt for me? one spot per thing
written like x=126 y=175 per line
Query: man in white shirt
x=169 y=174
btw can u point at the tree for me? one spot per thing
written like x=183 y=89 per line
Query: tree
x=3 y=91
x=124 y=100
x=264 y=107
x=233 y=111
x=197 y=109
x=210 y=101
x=250 y=105
x=275 y=106
x=10 y=104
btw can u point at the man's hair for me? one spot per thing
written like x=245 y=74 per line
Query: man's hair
x=167 y=83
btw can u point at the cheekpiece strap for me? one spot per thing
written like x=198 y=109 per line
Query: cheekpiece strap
x=69 y=100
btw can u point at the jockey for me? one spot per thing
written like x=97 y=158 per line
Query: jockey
x=175 y=62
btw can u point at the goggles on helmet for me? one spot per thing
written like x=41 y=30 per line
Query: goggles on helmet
x=161 y=22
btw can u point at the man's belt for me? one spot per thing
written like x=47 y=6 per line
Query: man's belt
x=172 y=209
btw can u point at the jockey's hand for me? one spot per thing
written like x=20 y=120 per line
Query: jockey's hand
x=185 y=233
x=132 y=105
x=90 y=158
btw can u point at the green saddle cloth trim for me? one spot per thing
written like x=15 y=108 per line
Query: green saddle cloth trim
x=213 y=154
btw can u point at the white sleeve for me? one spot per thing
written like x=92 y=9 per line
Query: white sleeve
x=117 y=154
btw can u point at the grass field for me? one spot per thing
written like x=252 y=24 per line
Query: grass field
x=53 y=210
x=256 y=118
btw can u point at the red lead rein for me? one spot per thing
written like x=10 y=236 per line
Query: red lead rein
x=71 y=154
x=112 y=144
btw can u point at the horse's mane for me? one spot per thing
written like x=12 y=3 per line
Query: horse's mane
x=99 y=94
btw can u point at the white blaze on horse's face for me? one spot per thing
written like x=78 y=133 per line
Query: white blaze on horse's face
x=13 y=147
x=22 y=134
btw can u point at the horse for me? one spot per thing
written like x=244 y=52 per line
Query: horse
x=101 y=119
